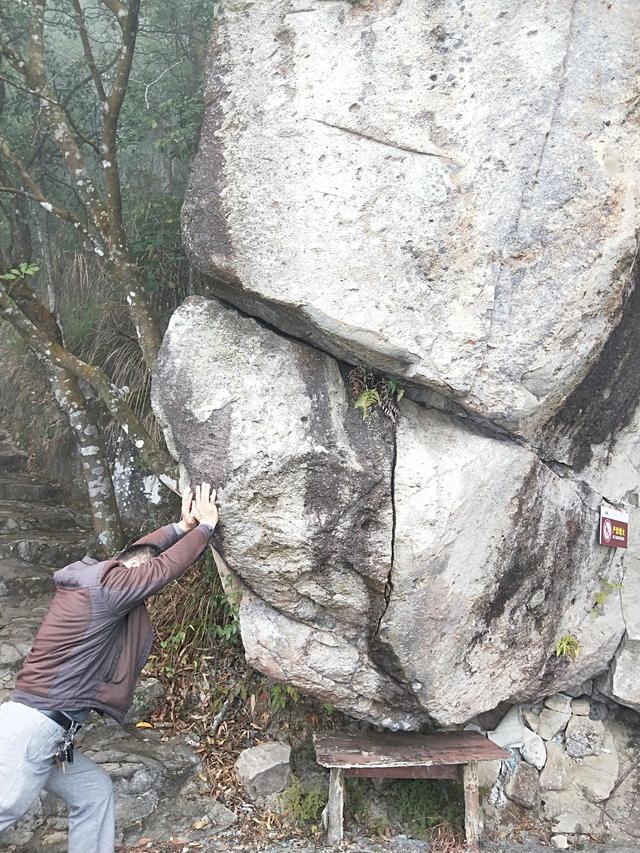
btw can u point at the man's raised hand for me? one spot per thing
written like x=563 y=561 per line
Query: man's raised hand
x=204 y=505
x=187 y=519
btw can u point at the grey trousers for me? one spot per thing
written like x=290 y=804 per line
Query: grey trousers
x=28 y=743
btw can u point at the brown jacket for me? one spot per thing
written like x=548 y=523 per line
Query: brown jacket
x=96 y=636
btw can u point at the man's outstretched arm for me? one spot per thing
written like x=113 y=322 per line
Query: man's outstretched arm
x=127 y=587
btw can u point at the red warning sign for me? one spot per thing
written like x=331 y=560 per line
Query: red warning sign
x=614 y=526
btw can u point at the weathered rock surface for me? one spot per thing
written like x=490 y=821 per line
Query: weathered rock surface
x=597 y=774
x=306 y=490
x=622 y=682
x=551 y=723
x=558 y=771
x=583 y=737
x=569 y=812
x=523 y=788
x=411 y=132
x=533 y=749
x=264 y=769
x=491 y=561
x=476 y=579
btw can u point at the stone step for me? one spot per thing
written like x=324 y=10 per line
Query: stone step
x=18 y=627
x=49 y=548
x=22 y=582
x=23 y=487
x=19 y=515
x=11 y=459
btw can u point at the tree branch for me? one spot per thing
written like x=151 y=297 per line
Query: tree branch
x=88 y=52
x=25 y=89
x=157 y=459
x=36 y=194
x=111 y=112
x=118 y=9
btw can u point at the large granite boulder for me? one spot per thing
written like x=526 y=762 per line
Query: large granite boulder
x=306 y=487
x=407 y=579
x=446 y=193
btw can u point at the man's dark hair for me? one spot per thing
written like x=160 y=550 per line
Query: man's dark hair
x=148 y=551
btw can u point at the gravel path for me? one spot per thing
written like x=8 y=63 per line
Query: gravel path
x=399 y=844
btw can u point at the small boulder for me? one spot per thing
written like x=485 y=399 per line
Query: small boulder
x=579 y=690
x=551 y=723
x=488 y=772
x=596 y=774
x=598 y=711
x=557 y=773
x=581 y=707
x=558 y=702
x=264 y=769
x=584 y=737
x=533 y=749
x=560 y=842
x=523 y=788
x=570 y=812
x=531 y=717
x=510 y=730
x=148 y=697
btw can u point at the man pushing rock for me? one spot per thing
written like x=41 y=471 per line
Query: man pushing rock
x=86 y=656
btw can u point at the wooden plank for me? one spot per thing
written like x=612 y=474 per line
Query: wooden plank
x=334 y=812
x=404 y=750
x=442 y=771
x=472 y=814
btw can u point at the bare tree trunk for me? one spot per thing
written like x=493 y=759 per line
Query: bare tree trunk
x=43 y=340
x=95 y=466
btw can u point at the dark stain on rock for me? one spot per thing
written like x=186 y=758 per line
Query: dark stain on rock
x=606 y=399
x=352 y=508
x=539 y=556
x=204 y=223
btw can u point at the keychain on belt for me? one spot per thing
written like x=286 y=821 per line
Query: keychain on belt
x=65 y=750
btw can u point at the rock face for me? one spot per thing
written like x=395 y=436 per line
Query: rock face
x=408 y=579
x=306 y=486
x=396 y=182
x=393 y=184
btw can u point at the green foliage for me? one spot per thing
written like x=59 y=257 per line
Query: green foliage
x=600 y=598
x=416 y=806
x=366 y=400
x=192 y=617
x=370 y=389
x=80 y=324
x=20 y=271
x=395 y=388
x=281 y=695
x=568 y=647
x=357 y=805
x=304 y=806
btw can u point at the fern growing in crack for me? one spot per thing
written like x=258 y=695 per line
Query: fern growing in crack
x=370 y=389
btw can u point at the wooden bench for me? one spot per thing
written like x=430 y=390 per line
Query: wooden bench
x=443 y=755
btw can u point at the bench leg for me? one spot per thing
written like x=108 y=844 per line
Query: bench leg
x=333 y=815
x=472 y=814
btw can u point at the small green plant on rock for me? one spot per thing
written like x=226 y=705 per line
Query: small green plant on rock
x=304 y=806
x=418 y=806
x=370 y=390
x=280 y=695
x=568 y=647
x=600 y=598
